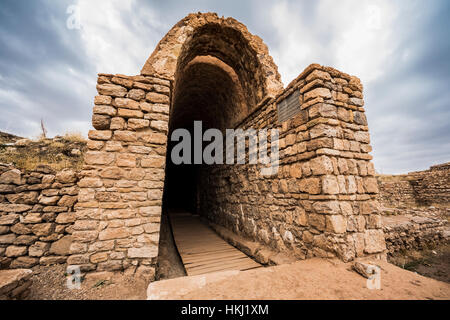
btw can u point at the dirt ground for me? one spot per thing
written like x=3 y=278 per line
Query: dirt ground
x=433 y=263
x=313 y=279
x=50 y=283
x=309 y=279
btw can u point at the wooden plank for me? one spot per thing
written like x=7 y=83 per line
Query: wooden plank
x=207 y=257
x=194 y=250
x=222 y=261
x=237 y=264
x=224 y=264
x=219 y=268
x=202 y=250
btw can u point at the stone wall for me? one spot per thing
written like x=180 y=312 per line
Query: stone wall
x=119 y=206
x=414 y=232
x=323 y=201
x=433 y=186
x=15 y=284
x=397 y=191
x=422 y=188
x=36 y=215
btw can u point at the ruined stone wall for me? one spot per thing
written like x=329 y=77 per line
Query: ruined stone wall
x=433 y=186
x=397 y=191
x=322 y=202
x=15 y=284
x=119 y=209
x=36 y=215
x=422 y=188
x=414 y=233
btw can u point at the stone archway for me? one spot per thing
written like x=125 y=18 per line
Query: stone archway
x=322 y=202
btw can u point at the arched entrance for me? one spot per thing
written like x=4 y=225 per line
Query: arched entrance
x=218 y=82
x=321 y=200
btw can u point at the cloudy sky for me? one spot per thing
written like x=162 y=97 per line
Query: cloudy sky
x=399 y=49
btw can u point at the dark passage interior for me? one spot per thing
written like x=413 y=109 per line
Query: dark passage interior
x=206 y=91
x=218 y=81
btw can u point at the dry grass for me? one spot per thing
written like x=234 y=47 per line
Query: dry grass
x=55 y=153
x=74 y=137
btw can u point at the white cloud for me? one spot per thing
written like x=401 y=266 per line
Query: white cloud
x=397 y=48
x=353 y=36
x=118 y=36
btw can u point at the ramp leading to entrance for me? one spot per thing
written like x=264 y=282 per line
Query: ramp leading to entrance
x=202 y=251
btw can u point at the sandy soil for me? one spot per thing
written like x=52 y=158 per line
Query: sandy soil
x=310 y=279
x=49 y=283
x=318 y=279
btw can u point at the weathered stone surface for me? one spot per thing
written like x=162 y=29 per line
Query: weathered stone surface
x=98 y=157
x=321 y=165
x=99 y=257
x=101 y=122
x=114 y=233
x=65 y=217
x=153 y=137
x=111 y=90
x=336 y=224
x=136 y=124
x=363 y=269
x=374 y=241
x=20 y=228
x=13 y=176
x=14 y=283
x=50 y=260
x=126 y=103
x=154 y=97
x=7 y=238
x=310 y=185
x=38 y=249
x=16 y=251
x=136 y=94
x=24 y=262
x=49 y=201
x=317 y=221
x=67 y=201
x=126 y=160
x=23 y=198
x=42 y=229
x=128 y=136
x=318 y=92
x=145 y=252
x=117 y=123
x=123 y=81
x=9 y=219
x=129 y=113
x=32 y=217
x=330 y=185
x=102 y=100
x=100 y=134
x=16 y=208
x=159 y=125
x=105 y=110
x=62 y=246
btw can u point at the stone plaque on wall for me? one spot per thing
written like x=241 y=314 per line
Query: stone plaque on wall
x=289 y=106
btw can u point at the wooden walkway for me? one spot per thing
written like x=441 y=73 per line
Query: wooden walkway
x=202 y=250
